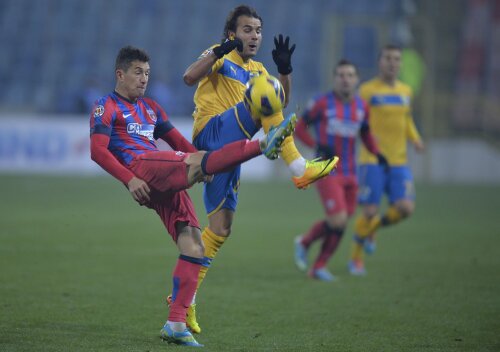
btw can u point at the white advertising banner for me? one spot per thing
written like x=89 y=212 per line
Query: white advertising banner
x=45 y=145
x=60 y=145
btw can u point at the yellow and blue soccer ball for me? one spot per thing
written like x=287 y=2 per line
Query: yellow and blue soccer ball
x=264 y=95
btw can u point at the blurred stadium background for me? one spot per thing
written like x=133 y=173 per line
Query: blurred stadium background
x=58 y=56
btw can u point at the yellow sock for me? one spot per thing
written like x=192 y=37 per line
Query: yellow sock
x=289 y=151
x=392 y=216
x=364 y=227
x=212 y=243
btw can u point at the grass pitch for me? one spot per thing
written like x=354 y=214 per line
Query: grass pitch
x=83 y=268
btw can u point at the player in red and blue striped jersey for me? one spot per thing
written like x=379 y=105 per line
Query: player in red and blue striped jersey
x=123 y=128
x=335 y=119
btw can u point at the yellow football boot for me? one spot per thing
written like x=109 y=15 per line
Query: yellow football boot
x=315 y=169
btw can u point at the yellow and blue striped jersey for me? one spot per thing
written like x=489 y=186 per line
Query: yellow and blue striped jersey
x=223 y=87
x=391 y=122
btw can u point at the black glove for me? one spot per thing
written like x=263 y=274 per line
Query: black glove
x=382 y=161
x=282 y=55
x=325 y=151
x=227 y=47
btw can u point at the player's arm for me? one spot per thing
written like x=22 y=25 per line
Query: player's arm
x=165 y=130
x=101 y=122
x=286 y=82
x=413 y=135
x=100 y=153
x=177 y=141
x=203 y=66
x=369 y=140
x=302 y=133
x=312 y=114
x=282 y=56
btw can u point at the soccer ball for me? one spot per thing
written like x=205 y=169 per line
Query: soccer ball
x=264 y=95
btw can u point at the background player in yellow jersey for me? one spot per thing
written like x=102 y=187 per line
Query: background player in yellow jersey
x=392 y=126
x=221 y=117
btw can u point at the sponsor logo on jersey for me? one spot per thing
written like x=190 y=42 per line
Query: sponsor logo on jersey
x=342 y=128
x=145 y=130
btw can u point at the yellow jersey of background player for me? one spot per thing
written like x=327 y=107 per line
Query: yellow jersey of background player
x=390 y=120
x=391 y=124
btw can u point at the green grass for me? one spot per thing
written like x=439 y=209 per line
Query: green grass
x=83 y=268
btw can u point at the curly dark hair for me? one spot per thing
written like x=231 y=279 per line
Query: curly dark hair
x=232 y=19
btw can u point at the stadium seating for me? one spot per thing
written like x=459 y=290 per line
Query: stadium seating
x=55 y=47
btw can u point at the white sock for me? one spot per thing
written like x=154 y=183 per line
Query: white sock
x=176 y=326
x=298 y=167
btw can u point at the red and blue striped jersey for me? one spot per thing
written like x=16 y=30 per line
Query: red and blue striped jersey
x=131 y=126
x=336 y=124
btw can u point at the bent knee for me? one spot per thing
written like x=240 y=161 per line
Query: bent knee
x=405 y=208
x=223 y=231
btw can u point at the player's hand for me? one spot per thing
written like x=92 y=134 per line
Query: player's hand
x=324 y=151
x=282 y=55
x=419 y=146
x=139 y=190
x=382 y=161
x=228 y=46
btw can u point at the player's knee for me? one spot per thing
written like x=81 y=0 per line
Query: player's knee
x=337 y=221
x=406 y=208
x=223 y=231
x=221 y=222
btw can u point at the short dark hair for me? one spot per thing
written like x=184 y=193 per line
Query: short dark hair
x=128 y=54
x=344 y=62
x=389 y=47
x=232 y=18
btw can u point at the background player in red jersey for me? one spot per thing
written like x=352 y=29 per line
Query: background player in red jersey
x=123 y=129
x=336 y=118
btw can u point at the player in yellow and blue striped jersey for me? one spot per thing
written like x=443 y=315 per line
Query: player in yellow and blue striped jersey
x=220 y=117
x=392 y=125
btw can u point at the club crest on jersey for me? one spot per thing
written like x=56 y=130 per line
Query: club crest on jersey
x=151 y=114
x=179 y=153
x=99 y=111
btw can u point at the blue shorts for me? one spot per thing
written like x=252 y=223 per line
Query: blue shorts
x=397 y=183
x=232 y=125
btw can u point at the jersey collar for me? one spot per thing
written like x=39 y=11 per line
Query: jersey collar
x=126 y=99
x=237 y=59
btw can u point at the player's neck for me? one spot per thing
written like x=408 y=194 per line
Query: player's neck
x=346 y=98
x=391 y=81
x=123 y=94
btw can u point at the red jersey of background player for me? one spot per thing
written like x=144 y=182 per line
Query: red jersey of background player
x=335 y=125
